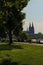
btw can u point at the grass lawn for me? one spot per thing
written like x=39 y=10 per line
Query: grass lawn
x=22 y=54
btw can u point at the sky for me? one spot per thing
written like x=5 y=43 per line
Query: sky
x=34 y=13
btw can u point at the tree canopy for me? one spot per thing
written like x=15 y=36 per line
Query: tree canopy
x=11 y=16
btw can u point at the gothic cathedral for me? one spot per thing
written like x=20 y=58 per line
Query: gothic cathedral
x=31 y=29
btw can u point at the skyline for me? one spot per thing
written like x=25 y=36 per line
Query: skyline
x=37 y=26
x=34 y=13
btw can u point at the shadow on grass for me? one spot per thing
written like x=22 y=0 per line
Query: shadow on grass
x=10 y=47
x=9 y=62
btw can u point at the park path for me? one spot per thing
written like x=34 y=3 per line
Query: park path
x=38 y=44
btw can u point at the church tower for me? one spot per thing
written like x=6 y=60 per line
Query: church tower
x=31 y=28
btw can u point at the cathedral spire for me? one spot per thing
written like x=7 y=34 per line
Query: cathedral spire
x=32 y=25
x=31 y=28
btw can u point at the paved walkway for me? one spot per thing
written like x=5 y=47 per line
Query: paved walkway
x=38 y=44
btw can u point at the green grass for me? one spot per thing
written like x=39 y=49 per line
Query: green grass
x=23 y=54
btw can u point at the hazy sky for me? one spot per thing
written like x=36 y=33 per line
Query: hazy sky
x=34 y=13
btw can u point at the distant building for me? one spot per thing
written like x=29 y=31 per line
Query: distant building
x=31 y=32
x=30 y=29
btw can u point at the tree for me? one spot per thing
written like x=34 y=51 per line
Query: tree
x=23 y=37
x=11 y=16
x=2 y=32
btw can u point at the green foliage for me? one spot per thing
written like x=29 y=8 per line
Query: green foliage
x=10 y=12
x=11 y=15
x=23 y=36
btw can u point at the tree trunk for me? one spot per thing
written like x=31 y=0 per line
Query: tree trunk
x=10 y=37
